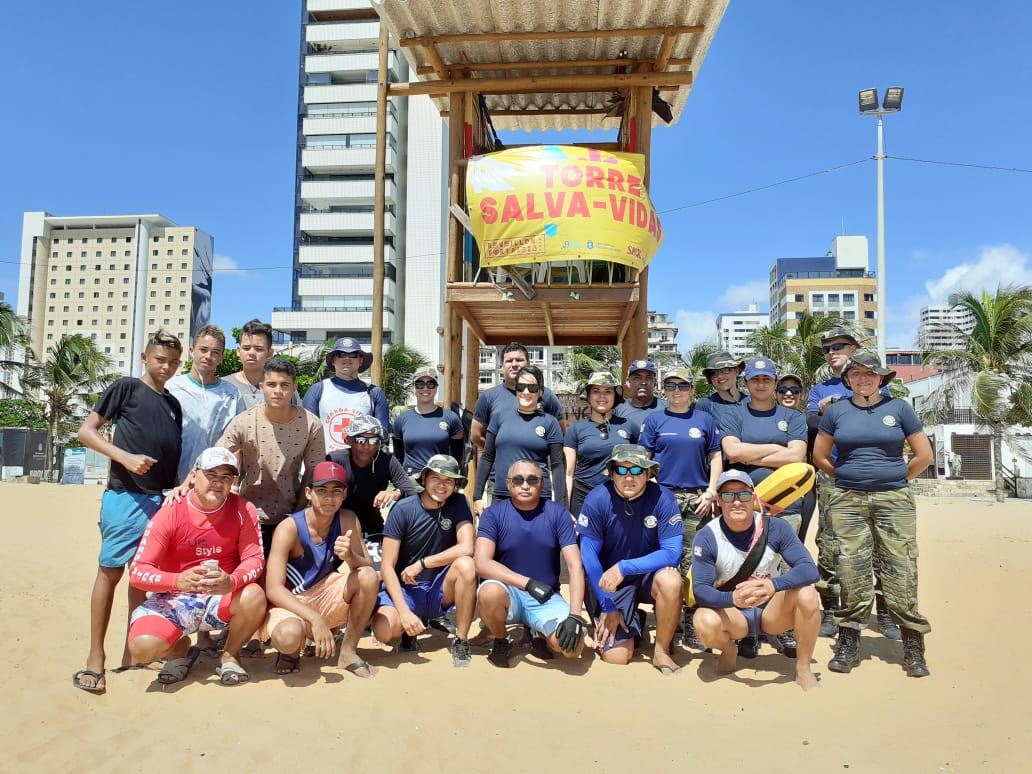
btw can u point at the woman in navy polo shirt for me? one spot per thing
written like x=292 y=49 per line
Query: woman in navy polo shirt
x=872 y=509
x=524 y=434
x=427 y=429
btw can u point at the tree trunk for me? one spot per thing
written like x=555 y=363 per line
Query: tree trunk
x=1001 y=485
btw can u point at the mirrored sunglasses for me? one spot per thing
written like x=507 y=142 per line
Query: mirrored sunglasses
x=633 y=470
x=362 y=440
x=837 y=346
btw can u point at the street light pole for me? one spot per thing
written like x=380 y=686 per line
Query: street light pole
x=869 y=106
x=881 y=240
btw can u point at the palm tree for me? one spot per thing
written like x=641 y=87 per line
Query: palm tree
x=799 y=352
x=695 y=359
x=993 y=366
x=14 y=332
x=399 y=363
x=582 y=361
x=65 y=382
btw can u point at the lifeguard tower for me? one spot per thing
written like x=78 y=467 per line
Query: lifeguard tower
x=538 y=65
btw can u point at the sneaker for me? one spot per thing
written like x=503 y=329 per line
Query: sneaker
x=408 y=644
x=786 y=643
x=748 y=647
x=501 y=650
x=443 y=624
x=461 y=653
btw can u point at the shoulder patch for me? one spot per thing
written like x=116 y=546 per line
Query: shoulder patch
x=651 y=521
x=674 y=520
x=697 y=550
x=582 y=520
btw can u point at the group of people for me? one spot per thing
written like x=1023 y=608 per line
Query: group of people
x=241 y=509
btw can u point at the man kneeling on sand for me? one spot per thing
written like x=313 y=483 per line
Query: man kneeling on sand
x=734 y=563
x=200 y=557
x=308 y=595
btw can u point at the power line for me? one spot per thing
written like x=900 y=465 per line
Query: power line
x=962 y=164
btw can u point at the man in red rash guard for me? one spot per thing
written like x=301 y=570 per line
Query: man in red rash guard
x=176 y=562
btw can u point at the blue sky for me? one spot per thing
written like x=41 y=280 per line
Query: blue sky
x=188 y=110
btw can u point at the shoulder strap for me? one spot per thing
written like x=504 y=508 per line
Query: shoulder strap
x=752 y=559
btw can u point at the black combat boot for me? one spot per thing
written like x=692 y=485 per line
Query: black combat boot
x=847 y=651
x=828 y=607
x=886 y=625
x=914 y=654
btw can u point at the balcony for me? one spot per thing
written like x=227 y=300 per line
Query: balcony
x=343 y=223
x=323 y=194
x=359 y=61
x=344 y=286
x=343 y=253
x=321 y=93
x=345 y=36
x=346 y=123
x=286 y=318
x=319 y=6
x=339 y=160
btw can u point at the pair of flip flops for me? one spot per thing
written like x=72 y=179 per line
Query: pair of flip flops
x=231 y=673
x=99 y=683
x=177 y=669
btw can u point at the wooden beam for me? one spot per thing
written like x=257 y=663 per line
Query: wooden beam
x=436 y=62
x=487 y=37
x=470 y=319
x=548 y=324
x=530 y=112
x=467 y=292
x=453 y=259
x=379 y=190
x=624 y=325
x=666 y=47
x=559 y=64
x=543 y=83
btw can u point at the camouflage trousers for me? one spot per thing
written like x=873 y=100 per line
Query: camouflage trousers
x=827 y=552
x=687 y=502
x=876 y=532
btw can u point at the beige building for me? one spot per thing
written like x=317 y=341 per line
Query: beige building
x=114 y=278
x=835 y=285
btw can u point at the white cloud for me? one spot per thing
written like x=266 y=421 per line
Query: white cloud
x=226 y=267
x=738 y=297
x=996 y=265
x=694 y=328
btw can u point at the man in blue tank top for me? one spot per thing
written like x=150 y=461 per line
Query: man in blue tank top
x=308 y=595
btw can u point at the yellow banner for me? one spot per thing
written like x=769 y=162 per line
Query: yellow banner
x=561 y=203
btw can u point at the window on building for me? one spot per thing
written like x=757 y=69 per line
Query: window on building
x=154 y=252
x=869 y=297
x=833 y=299
x=170 y=237
x=868 y=315
x=186 y=238
x=154 y=239
x=849 y=299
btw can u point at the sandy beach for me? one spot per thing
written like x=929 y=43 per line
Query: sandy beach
x=421 y=714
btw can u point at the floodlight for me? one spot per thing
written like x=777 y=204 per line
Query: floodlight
x=893 y=98
x=868 y=100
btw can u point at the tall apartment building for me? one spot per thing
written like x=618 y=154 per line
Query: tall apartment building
x=332 y=293
x=114 y=278
x=662 y=337
x=943 y=327
x=734 y=327
x=836 y=285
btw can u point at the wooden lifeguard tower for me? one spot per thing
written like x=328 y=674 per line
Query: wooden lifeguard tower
x=538 y=65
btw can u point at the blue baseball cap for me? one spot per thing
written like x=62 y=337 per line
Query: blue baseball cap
x=735 y=475
x=642 y=365
x=760 y=366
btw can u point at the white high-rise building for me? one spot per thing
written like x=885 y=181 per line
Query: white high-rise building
x=332 y=293
x=734 y=327
x=114 y=278
x=942 y=327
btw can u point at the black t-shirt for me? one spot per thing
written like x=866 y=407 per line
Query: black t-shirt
x=422 y=532
x=146 y=422
x=364 y=483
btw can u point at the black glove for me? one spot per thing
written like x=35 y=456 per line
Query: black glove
x=569 y=632
x=540 y=590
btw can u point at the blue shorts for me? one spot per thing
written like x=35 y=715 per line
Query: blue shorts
x=627 y=597
x=542 y=617
x=754 y=618
x=426 y=600
x=123 y=519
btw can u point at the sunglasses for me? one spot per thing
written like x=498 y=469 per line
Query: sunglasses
x=677 y=386
x=633 y=470
x=533 y=389
x=789 y=390
x=837 y=346
x=742 y=497
x=362 y=440
x=350 y=355
x=424 y=385
x=521 y=480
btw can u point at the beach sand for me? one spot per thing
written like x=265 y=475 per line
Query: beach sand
x=421 y=714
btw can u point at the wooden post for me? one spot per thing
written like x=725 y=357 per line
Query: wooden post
x=378 y=208
x=636 y=342
x=453 y=273
x=472 y=391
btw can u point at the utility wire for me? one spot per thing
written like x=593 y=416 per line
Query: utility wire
x=962 y=164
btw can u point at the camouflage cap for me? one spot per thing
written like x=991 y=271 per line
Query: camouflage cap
x=444 y=465
x=680 y=373
x=427 y=372
x=602 y=379
x=363 y=424
x=719 y=360
x=632 y=454
x=839 y=333
x=867 y=360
